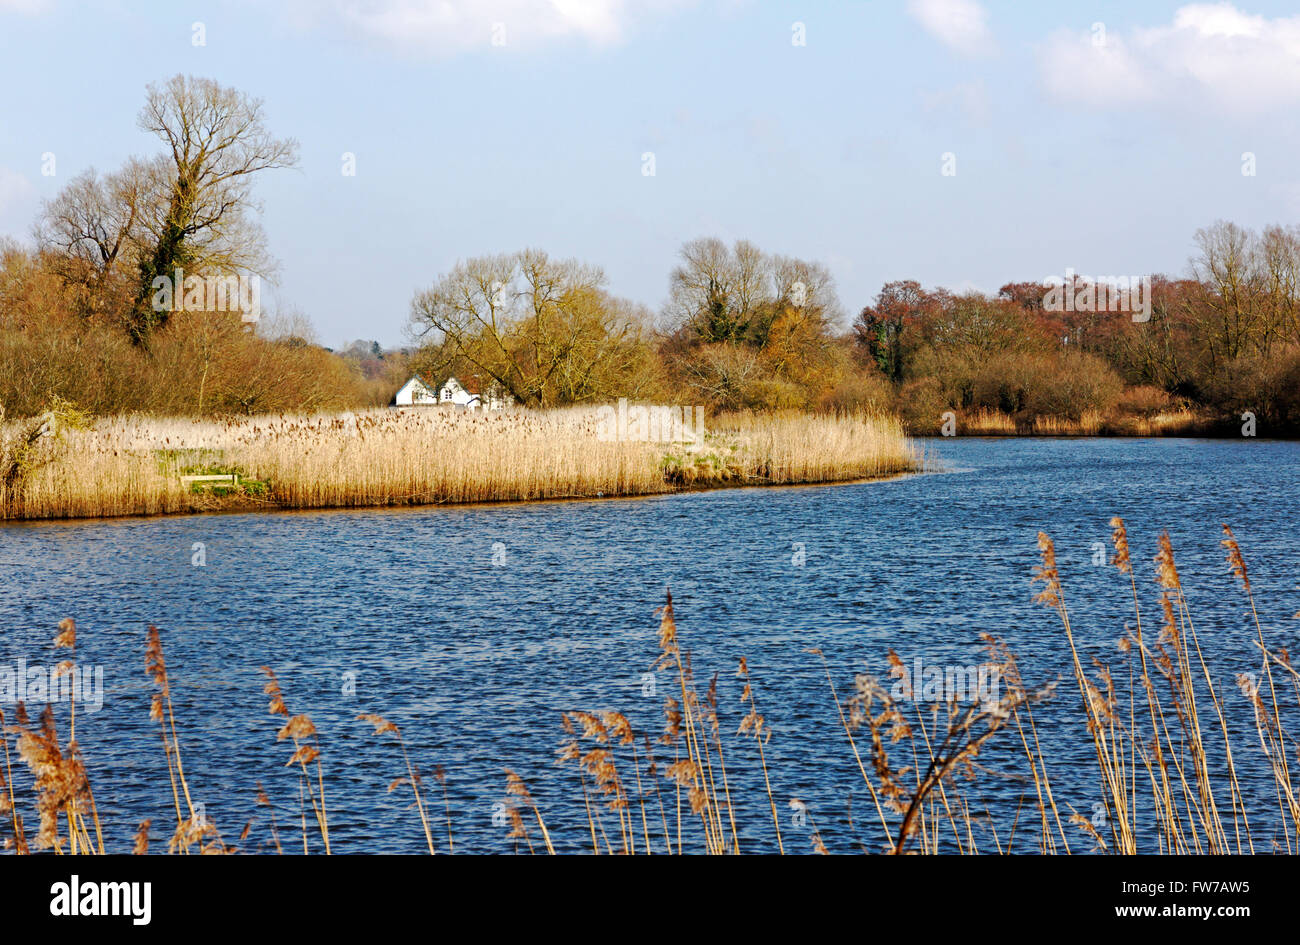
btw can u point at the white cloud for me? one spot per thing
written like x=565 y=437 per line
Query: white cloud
x=958 y=24
x=443 y=27
x=1210 y=54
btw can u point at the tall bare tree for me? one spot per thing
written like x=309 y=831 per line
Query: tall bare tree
x=1225 y=269
x=216 y=140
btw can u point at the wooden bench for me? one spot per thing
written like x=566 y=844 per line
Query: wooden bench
x=187 y=480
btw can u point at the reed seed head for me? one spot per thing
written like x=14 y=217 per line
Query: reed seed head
x=667 y=626
x=1119 y=537
x=67 y=633
x=141 y=846
x=1166 y=570
x=1047 y=573
x=1235 y=559
x=380 y=723
x=272 y=689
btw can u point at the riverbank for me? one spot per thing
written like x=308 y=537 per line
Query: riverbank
x=1182 y=421
x=69 y=466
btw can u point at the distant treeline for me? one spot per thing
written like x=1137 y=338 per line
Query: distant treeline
x=741 y=330
x=744 y=329
x=1223 y=342
x=105 y=310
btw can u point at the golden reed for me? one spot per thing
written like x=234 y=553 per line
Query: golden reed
x=133 y=465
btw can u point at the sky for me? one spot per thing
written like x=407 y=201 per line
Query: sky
x=961 y=143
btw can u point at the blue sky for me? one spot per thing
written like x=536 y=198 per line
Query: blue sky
x=1104 y=157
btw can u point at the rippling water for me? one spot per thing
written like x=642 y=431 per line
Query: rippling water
x=474 y=627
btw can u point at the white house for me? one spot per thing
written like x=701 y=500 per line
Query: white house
x=469 y=394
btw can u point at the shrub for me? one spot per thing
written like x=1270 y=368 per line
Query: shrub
x=1265 y=385
x=1143 y=401
x=859 y=389
x=1073 y=384
x=921 y=403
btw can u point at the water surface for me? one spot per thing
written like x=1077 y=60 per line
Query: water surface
x=473 y=628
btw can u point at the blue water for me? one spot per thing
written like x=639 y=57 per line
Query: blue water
x=473 y=628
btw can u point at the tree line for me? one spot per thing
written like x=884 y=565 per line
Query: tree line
x=741 y=328
x=744 y=329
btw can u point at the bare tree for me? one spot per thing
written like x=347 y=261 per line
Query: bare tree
x=1247 y=305
x=717 y=292
x=544 y=330
x=94 y=229
x=216 y=141
x=1224 y=268
x=1278 y=261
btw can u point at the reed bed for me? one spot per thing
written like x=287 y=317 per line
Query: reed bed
x=1089 y=423
x=69 y=466
x=983 y=421
x=1174 y=422
x=1165 y=774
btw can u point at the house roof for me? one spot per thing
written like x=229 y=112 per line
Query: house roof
x=471 y=383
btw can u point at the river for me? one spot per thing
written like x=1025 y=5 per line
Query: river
x=473 y=628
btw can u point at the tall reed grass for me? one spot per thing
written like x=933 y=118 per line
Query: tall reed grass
x=132 y=466
x=985 y=421
x=1164 y=765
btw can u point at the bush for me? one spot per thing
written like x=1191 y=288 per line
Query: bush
x=1143 y=401
x=859 y=389
x=201 y=365
x=921 y=404
x=1267 y=386
x=1074 y=384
